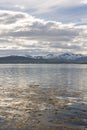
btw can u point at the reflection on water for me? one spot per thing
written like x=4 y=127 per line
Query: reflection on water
x=43 y=97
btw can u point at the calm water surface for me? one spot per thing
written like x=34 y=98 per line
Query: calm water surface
x=43 y=97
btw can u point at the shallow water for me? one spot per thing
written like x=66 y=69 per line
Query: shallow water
x=43 y=97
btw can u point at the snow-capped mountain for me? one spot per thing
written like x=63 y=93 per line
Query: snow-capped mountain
x=64 y=56
x=50 y=58
x=69 y=56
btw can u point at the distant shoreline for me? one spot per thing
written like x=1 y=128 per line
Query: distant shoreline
x=38 y=63
x=40 y=60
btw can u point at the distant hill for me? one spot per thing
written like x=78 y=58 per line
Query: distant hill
x=50 y=58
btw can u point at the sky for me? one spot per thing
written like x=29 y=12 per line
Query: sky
x=39 y=27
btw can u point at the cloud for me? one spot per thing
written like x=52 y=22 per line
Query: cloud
x=39 y=6
x=58 y=10
x=23 y=33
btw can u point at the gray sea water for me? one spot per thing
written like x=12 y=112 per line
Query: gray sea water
x=43 y=97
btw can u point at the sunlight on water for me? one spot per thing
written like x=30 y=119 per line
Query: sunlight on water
x=43 y=97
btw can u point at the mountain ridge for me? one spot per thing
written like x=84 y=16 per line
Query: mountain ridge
x=50 y=58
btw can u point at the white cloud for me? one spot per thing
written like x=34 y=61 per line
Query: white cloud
x=39 y=6
x=21 y=31
x=83 y=1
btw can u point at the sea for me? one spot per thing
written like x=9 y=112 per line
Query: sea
x=43 y=97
